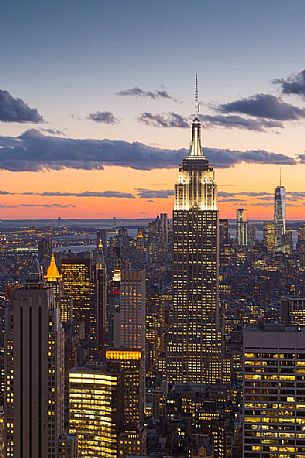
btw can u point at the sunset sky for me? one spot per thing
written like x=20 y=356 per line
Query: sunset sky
x=97 y=97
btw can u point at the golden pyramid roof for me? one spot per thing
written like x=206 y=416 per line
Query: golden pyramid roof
x=52 y=272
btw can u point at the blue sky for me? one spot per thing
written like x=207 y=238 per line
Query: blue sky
x=68 y=59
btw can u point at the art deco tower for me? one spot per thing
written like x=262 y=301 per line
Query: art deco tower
x=195 y=334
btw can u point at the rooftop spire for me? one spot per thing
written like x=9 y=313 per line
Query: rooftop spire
x=195 y=148
x=52 y=273
x=280 y=176
x=196 y=96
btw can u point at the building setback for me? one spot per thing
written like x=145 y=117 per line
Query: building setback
x=195 y=333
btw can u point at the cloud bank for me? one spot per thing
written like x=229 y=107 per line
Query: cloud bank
x=235 y=121
x=264 y=106
x=33 y=151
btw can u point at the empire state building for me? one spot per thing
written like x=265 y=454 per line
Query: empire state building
x=195 y=334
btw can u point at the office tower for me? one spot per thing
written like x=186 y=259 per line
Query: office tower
x=76 y=283
x=224 y=231
x=95 y=411
x=273 y=392
x=293 y=310
x=242 y=227
x=53 y=280
x=68 y=446
x=195 y=333
x=251 y=235
x=130 y=364
x=34 y=372
x=101 y=321
x=300 y=246
x=163 y=230
x=269 y=236
x=101 y=241
x=280 y=212
x=129 y=331
x=44 y=252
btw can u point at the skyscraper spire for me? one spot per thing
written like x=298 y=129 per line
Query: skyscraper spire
x=280 y=176
x=195 y=148
x=196 y=97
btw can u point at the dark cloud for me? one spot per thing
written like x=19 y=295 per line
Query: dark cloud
x=235 y=121
x=34 y=151
x=229 y=158
x=7 y=193
x=243 y=193
x=53 y=131
x=16 y=110
x=105 y=117
x=116 y=194
x=164 y=120
x=154 y=194
x=294 y=84
x=301 y=158
x=138 y=92
x=232 y=199
x=37 y=205
x=264 y=106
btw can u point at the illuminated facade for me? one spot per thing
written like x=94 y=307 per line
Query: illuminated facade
x=53 y=279
x=280 y=212
x=130 y=364
x=77 y=288
x=129 y=329
x=293 y=310
x=34 y=369
x=195 y=334
x=94 y=407
x=269 y=236
x=242 y=227
x=274 y=393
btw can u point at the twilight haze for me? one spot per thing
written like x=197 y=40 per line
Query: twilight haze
x=96 y=100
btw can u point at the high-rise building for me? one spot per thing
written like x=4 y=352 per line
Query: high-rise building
x=130 y=364
x=129 y=331
x=44 y=252
x=101 y=315
x=300 y=246
x=269 y=236
x=293 y=310
x=76 y=284
x=280 y=212
x=53 y=279
x=101 y=241
x=163 y=230
x=95 y=411
x=242 y=227
x=34 y=372
x=195 y=333
x=224 y=236
x=273 y=392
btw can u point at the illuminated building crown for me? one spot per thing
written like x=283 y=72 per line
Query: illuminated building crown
x=52 y=272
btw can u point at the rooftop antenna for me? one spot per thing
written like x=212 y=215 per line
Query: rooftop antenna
x=196 y=97
x=280 y=176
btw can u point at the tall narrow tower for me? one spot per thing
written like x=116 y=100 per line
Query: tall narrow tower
x=195 y=334
x=34 y=371
x=280 y=211
x=242 y=227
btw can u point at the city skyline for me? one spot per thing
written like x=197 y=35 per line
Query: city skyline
x=106 y=119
